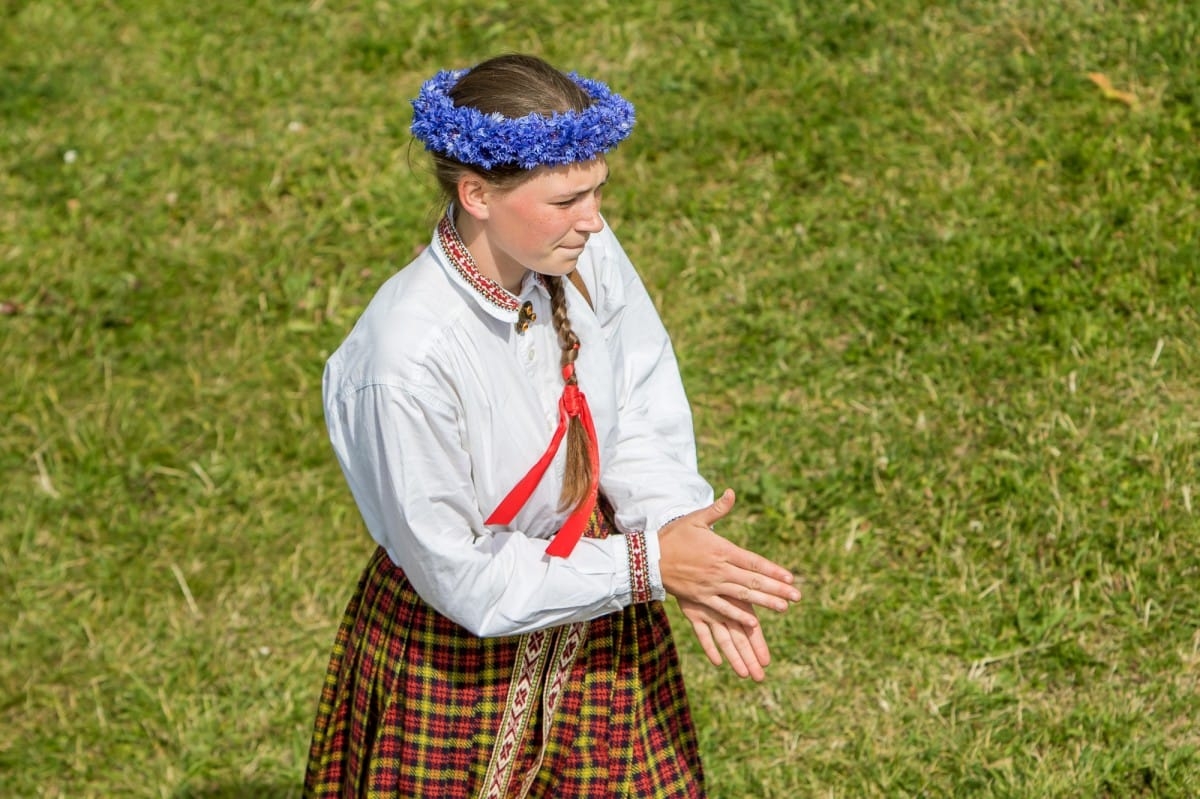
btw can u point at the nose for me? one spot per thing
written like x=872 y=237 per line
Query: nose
x=589 y=219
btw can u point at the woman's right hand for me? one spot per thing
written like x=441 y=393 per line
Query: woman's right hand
x=704 y=570
x=744 y=647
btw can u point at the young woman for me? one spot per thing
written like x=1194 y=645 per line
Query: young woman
x=509 y=416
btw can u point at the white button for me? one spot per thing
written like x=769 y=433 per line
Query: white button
x=530 y=355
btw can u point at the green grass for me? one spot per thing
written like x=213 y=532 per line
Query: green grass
x=934 y=295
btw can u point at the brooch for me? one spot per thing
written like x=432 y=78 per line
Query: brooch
x=524 y=316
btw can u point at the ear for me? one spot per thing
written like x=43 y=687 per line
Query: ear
x=473 y=195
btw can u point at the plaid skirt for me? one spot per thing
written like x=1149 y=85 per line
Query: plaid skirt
x=415 y=706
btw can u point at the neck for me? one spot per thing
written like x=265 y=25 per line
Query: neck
x=495 y=265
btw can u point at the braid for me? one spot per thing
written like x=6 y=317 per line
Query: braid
x=579 y=469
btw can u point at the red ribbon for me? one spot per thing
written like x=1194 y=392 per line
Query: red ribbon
x=571 y=403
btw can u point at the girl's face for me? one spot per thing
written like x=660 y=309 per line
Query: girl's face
x=543 y=223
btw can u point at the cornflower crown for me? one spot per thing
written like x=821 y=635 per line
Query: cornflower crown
x=490 y=140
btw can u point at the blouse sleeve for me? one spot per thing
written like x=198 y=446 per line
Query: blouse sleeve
x=652 y=476
x=402 y=456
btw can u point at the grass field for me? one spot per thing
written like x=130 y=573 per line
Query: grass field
x=935 y=294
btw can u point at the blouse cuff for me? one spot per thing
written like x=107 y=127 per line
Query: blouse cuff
x=645 y=579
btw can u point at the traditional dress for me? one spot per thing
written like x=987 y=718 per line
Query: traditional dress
x=469 y=662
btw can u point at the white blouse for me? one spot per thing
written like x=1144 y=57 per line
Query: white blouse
x=437 y=406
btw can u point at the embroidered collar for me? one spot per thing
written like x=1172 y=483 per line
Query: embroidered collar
x=460 y=257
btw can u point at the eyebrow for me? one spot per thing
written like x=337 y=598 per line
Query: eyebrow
x=601 y=184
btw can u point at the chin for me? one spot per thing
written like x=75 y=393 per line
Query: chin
x=560 y=265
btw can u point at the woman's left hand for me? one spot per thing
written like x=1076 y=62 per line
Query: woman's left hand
x=744 y=647
x=698 y=565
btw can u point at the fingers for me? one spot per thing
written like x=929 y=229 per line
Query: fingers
x=751 y=647
x=754 y=667
x=767 y=585
x=772 y=596
x=753 y=562
x=750 y=569
x=759 y=645
x=743 y=647
x=728 y=638
x=742 y=616
x=757 y=579
x=704 y=634
x=716 y=511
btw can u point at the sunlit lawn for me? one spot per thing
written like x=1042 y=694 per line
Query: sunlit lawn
x=934 y=290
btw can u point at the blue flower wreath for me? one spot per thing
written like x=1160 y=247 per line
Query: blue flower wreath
x=489 y=140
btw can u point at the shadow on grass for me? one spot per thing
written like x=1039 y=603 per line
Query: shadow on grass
x=241 y=790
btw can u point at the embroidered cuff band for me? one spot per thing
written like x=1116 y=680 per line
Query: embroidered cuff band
x=639 y=567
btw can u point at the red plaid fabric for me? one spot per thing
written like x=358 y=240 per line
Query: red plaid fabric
x=415 y=706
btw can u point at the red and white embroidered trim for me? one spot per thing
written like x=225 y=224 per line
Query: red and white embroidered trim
x=460 y=256
x=639 y=567
x=570 y=641
x=560 y=671
x=522 y=693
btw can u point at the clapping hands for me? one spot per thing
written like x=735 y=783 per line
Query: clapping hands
x=718 y=584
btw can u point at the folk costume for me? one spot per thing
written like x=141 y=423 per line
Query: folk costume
x=488 y=654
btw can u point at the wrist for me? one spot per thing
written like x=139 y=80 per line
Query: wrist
x=662 y=528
